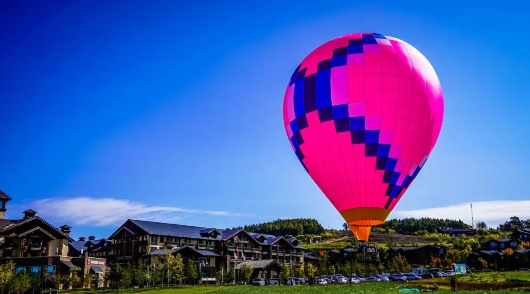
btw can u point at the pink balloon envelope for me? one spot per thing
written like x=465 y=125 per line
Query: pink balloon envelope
x=362 y=113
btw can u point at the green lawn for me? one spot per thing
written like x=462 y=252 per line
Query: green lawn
x=489 y=280
x=366 y=288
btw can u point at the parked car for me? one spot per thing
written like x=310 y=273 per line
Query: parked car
x=258 y=282
x=383 y=278
x=427 y=276
x=373 y=279
x=321 y=281
x=411 y=276
x=274 y=282
x=398 y=278
x=355 y=280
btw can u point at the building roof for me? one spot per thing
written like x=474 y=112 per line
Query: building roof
x=4 y=222
x=173 y=230
x=78 y=245
x=194 y=232
x=259 y=264
x=14 y=224
x=309 y=257
x=30 y=211
x=207 y=253
x=4 y=196
x=227 y=234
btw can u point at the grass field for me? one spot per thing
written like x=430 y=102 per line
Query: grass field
x=493 y=282
x=367 y=288
x=490 y=280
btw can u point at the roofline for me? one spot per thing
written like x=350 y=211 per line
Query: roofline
x=123 y=225
x=281 y=237
x=27 y=220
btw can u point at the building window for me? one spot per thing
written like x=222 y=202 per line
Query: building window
x=169 y=239
x=502 y=245
x=20 y=269
x=34 y=269
x=161 y=239
x=50 y=268
x=153 y=240
x=493 y=244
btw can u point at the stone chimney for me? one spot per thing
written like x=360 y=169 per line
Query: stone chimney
x=81 y=238
x=65 y=229
x=3 y=198
x=29 y=213
x=91 y=238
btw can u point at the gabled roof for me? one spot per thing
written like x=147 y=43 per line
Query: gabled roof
x=34 y=230
x=227 y=234
x=3 y=196
x=15 y=224
x=206 y=232
x=102 y=245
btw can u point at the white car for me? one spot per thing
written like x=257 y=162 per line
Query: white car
x=322 y=282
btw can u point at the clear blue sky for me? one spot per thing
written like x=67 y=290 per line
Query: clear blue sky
x=172 y=110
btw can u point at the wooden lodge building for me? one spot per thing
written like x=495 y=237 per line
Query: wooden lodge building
x=37 y=247
x=137 y=241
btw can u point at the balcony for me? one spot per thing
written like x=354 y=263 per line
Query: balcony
x=172 y=243
x=9 y=246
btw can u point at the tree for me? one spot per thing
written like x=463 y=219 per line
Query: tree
x=138 y=276
x=57 y=281
x=286 y=273
x=246 y=272
x=191 y=271
x=6 y=274
x=75 y=280
x=117 y=275
x=310 y=271
x=156 y=271
x=220 y=274
x=346 y=269
x=299 y=272
x=19 y=283
x=177 y=267
x=87 y=280
x=481 y=225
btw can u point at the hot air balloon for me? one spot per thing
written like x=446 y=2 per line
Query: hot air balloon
x=362 y=113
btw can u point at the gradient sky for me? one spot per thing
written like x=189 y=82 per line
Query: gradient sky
x=172 y=110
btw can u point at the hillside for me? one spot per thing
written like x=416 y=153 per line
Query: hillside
x=342 y=241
